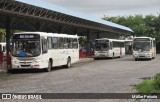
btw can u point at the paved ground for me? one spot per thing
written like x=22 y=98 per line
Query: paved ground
x=3 y=67
x=99 y=76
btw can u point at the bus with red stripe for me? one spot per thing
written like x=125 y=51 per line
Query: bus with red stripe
x=112 y=48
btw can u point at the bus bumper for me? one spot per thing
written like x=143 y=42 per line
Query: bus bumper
x=142 y=56
x=26 y=66
x=101 y=56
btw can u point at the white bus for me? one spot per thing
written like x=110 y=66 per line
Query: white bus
x=43 y=50
x=144 y=48
x=105 y=47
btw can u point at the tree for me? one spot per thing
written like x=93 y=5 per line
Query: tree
x=2 y=35
x=141 y=25
x=82 y=41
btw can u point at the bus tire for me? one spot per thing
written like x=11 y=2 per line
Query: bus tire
x=9 y=70
x=95 y=58
x=153 y=56
x=49 y=68
x=68 y=65
x=136 y=59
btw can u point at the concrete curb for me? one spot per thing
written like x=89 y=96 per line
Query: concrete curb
x=2 y=71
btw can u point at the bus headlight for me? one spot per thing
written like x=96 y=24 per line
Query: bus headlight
x=95 y=53
x=36 y=60
x=14 y=61
x=149 y=53
x=135 y=54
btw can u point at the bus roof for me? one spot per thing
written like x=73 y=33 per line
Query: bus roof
x=144 y=37
x=49 y=34
x=131 y=40
x=111 y=39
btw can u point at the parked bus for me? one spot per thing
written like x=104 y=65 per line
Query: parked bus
x=144 y=48
x=109 y=48
x=43 y=50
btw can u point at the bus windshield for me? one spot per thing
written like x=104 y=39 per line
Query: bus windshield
x=142 y=46
x=26 y=48
x=101 y=45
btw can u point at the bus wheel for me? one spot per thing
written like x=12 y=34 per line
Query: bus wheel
x=136 y=59
x=49 y=66
x=9 y=70
x=68 y=65
x=95 y=58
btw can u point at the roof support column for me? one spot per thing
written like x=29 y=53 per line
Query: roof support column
x=59 y=29
x=88 y=44
x=75 y=31
x=97 y=35
x=8 y=34
x=37 y=26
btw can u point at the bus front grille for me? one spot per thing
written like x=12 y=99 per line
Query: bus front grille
x=25 y=65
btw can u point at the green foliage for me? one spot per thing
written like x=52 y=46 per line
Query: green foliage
x=150 y=86
x=142 y=26
x=82 y=41
x=145 y=87
x=157 y=82
x=2 y=35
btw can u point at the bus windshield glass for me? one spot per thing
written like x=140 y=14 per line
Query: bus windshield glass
x=141 y=45
x=101 y=45
x=25 y=47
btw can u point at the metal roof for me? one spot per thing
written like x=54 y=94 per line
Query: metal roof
x=42 y=4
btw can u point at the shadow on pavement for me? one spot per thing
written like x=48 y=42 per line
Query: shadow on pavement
x=22 y=71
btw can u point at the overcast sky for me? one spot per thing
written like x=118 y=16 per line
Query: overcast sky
x=101 y=8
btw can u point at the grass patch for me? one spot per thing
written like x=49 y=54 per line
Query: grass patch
x=149 y=86
x=146 y=86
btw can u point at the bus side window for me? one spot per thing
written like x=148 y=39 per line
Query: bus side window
x=75 y=43
x=60 y=43
x=54 y=43
x=65 y=43
x=49 y=42
x=44 y=46
x=154 y=43
x=111 y=45
x=69 y=43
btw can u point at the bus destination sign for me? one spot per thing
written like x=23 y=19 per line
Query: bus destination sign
x=141 y=39
x=102 y=41
x=26 y=36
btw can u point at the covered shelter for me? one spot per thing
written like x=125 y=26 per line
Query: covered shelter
x=37 y=15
